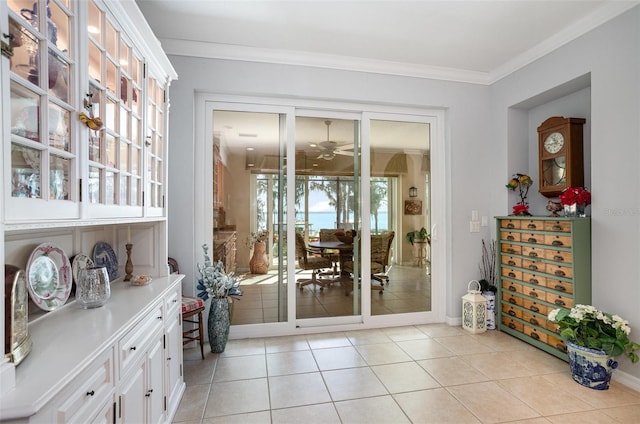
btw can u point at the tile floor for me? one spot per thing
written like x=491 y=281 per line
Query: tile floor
x=415 y=374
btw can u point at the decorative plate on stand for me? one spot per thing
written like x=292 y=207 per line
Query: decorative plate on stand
x=49 y=277
x=103 y=255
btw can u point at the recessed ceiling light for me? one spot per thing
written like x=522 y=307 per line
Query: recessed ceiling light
x=315 y=164
x=250 y=149
x=313 y=145
x=250 y=165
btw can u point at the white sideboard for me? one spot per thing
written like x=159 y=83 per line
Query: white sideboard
x=120 y=363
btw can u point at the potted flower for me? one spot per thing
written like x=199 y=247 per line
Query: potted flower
x=575 y=200
x=420 y=235
x=522 y=182
x=215 y=283
x=593 y=339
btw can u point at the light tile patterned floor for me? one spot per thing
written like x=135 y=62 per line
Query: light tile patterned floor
x=415 y=374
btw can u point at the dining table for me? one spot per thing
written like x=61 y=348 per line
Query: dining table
x=345 y=254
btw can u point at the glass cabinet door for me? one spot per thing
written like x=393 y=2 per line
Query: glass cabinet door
x=114 y=95
x=43 y=152
x=154 y=144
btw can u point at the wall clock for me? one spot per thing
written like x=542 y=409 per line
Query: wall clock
x=560 y=154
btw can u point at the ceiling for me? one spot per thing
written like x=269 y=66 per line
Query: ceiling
x=476 y=41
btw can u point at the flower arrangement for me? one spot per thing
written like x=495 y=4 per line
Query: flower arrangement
x=257 y=237
x=575 y=196
x=214 y=282
x=522 y=182
x=588 y=327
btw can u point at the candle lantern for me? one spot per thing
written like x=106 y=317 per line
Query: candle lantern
x=474 y=309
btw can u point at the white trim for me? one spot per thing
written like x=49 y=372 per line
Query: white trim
x=627 y=379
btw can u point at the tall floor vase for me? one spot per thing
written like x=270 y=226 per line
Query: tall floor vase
x=218 y=324
x=259 y=263
x=590 y=367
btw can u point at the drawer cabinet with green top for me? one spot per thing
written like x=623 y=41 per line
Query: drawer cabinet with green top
x=543 y=263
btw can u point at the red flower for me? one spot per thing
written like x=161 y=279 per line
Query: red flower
x=575 y=195
x=521 y=209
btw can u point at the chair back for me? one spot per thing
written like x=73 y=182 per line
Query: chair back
x=381 y=246
x=329 y=234
x=301 y=248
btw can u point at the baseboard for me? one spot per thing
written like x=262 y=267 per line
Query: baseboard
x=631 y=381
x=455 y=321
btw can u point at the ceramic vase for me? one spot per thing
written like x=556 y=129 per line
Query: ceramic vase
x=259 y=263
x=590 y=367
x=577 y=209
x=218 y=323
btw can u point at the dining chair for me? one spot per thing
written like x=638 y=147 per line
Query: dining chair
x=380 y=256
x=192 y=309
x=307 y=260
x=329 y=234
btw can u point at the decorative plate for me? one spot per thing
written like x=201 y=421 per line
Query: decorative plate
x=80 y=262
x=49 y=277
x=103 y=255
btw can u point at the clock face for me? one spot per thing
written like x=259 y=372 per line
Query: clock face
x=554 y=142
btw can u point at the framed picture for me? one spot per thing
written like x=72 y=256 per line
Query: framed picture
x=413 y=207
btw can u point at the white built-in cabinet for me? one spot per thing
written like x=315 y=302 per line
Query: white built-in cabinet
x=66 y=182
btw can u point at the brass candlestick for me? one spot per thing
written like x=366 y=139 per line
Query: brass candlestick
x=128 y=268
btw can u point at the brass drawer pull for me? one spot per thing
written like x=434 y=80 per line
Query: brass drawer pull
x=534 y=281
x=561 y=347
x=510 y=238
x=511 y=250
x=560 y=273
x=558 y=258
x=532 y=240
x=535 y=336
x=512 y=313
x=512 y=300
x=512 y=263
x=533 y=254
x=532 y=226
x=512 y=326
x=512 y=275
x=512 y=288
x=534 y=308
x=556 y=243
x=534 y=321
x=510 y=225
x=559 y=302
x=533 y=294
x=560 y=287
x=557 y=227
x=533 y=267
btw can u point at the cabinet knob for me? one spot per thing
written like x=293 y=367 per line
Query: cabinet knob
x=91 y=393
x=132 y=348
x=169 y=358
x=149 y=392
x=160 y=317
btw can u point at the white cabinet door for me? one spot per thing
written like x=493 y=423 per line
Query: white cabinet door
x=173 y=362
x=131 y=408
x=155 y=383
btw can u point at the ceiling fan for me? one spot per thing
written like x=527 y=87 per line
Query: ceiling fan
x=329 y=148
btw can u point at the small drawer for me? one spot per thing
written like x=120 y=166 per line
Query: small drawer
x=560 y=285
x=559 y=256
x=510 y=223
x=533 y=252
x=173 y=302
x=557 y=343
x=533 y=278
x=561 y=226
x=88 y=391
x=535 y=334
x=512 y=323
x=535 y=306
x=552 y=326
x=559 y=300
x=565 y=271
x=534 y=293
x=511 y=249
x=512 y=287
x=532 y=224
x=511 y=311
x=534 y=319
x=557 y=240
x=512 y=299
x=509 y=236
x=512 y=273
x=511 y=260
x=533 y=265
x=533 y=238
x=132 y=345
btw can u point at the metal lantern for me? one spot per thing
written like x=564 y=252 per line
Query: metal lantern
x=474 y=309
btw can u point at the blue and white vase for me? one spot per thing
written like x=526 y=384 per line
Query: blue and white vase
x=218 y=324
x=590 y=367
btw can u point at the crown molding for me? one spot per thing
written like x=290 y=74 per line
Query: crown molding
x=180 y=47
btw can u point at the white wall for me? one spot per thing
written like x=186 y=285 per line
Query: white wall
x=611 y=56
x=469 y=143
